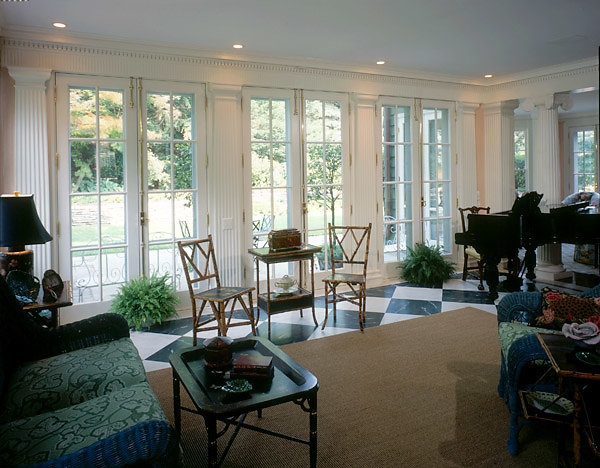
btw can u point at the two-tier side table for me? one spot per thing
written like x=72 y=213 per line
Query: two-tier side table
x=273 y=303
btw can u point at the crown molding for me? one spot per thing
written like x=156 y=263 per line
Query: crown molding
x=132 y=45
x=563 y=70
x=33 y=39
x=34 y=48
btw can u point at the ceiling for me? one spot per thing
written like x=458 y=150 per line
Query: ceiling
x=464 y=39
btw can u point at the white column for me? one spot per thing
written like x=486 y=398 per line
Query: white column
x=499 y=171
x=366 y=173
x=226 y=182
x=546 y=172
x=467 y=156
x=32 y=173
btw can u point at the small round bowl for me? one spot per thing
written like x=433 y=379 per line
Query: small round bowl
x=286 y=283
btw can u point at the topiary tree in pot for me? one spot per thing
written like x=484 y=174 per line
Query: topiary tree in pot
x=424 y=265
x=145 y=301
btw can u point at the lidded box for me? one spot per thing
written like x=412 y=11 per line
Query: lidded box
x=284 y=239
x=218 y=353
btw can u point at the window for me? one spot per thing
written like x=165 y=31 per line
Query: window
x=324 y=172
x=97 y=191
x=271 y=167
x=436 y=178
x=397 y=181
x=172 y=173
x=297 y=146
x=126 y=205
x=521 y=142
x=416 y=176
x=585 y=159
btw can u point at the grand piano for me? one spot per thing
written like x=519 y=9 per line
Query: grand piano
x=500 y=235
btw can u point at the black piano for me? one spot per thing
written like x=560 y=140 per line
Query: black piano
x=500 y=235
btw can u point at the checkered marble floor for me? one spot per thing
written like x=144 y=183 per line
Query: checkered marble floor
x=385 y=304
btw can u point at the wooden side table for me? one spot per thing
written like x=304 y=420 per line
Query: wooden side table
x=560 y=350
x=64 y=300
x=271 y=302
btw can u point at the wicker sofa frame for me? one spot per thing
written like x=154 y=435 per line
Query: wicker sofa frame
x=526 y=360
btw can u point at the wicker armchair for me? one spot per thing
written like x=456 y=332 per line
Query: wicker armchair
x=523 y=360
x=31 y=353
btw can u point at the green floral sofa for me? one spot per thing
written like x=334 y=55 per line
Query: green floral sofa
x=76 y=396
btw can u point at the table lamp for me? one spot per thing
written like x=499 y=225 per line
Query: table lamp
x=19 y=225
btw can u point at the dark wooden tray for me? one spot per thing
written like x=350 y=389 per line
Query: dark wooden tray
x=290 y=380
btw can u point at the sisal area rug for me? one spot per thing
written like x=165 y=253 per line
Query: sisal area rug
x=419 y=393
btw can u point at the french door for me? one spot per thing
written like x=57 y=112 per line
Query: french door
x=417 y=175
x=298 y=146
x=129 y=182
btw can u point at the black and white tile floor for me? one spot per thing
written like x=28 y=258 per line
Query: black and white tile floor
x=385 y=304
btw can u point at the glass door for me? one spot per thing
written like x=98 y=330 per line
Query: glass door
x=274 y=169
x=436 y=196
x=129 y=181
x=96 y=197
x=417 y=190
x=325 y=160
x=399 y=173
x=174 y=179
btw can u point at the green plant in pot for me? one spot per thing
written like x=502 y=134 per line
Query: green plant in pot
x=145 y=301
x=424 y=265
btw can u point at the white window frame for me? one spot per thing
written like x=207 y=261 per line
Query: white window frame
x=571 y=143
x=390 y=268
x=135 y=243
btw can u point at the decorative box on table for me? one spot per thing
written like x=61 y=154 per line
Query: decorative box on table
x=284 y=239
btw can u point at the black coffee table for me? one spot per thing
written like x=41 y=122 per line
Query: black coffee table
x=291 y=382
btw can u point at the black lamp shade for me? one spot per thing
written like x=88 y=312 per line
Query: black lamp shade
x=20 y=223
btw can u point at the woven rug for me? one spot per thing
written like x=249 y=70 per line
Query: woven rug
x=418 y=393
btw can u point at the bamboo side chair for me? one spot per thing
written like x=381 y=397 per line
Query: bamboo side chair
x=199 y=264
x=353 y=241
x=470 y=252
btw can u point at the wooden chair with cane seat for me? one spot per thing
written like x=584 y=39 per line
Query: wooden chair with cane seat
x=199 y=264
x=469 y=251
x=353 y=242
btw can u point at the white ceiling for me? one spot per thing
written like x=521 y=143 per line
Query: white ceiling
x=458 y=38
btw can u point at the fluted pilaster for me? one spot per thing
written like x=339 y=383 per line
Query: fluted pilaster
x=31 y=150
x=499 y=172
x=467 y=156
x=366 y=172
x=226 y=196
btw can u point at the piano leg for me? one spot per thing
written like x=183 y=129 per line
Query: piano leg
x=530 y=262
x=491 y=274
x=512 y=283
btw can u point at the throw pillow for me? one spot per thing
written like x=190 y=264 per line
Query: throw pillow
x=559 y=308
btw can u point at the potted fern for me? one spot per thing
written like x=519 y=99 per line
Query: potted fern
x=145 y=301
x=425 y=266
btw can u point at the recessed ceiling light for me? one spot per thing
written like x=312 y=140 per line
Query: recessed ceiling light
x=238 y=46
x=58 y=24
x=489 y=75
x=380 y=62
